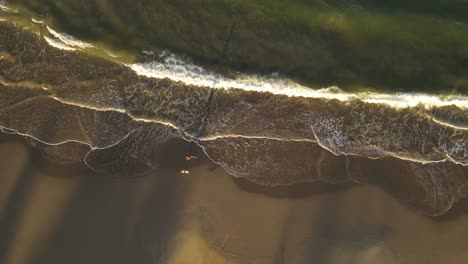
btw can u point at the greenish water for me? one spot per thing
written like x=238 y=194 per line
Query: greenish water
x=385 y=45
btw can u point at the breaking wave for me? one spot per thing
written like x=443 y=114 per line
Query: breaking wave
x=68 y=41
x=178 y=69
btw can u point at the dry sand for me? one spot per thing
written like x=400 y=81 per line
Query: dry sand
x=56 y=214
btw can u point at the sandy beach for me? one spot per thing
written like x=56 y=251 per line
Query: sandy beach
x=56 y=214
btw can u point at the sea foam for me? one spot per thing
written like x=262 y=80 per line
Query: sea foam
x=178 y=69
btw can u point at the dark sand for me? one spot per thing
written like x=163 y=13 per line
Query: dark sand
x=56 y=214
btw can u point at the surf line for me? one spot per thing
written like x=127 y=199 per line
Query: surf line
x=177 y=69
x=196 y=136
x=199 y=139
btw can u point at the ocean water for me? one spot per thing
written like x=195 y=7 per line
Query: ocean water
x=357 y=93
x=357 y=45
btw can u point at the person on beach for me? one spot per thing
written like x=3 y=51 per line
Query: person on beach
x=189 y=157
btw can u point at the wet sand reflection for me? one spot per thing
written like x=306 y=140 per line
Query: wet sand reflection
x=56 y=214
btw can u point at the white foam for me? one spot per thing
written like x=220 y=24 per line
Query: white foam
x=110 y=54
x=4 y=8
x=403 y=100
x=440 y=122
x=57 y=44
x=36 y=21
x=177 y=69
x=68 y=40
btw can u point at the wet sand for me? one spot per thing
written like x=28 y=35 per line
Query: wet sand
x=55 y=214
